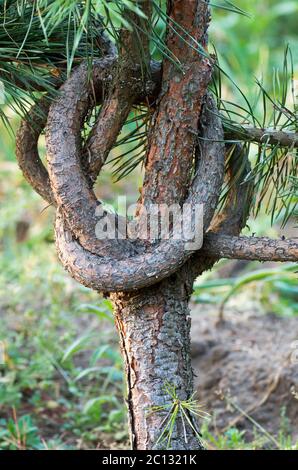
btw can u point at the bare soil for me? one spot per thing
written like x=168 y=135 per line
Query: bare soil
x=247 y=364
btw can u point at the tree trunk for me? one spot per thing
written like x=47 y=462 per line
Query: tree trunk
x=154 y=323
x=154 y=330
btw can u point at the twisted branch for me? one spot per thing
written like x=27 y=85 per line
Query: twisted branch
x=124 y=265
x=30 y=129
x=148 y=268
x=92 y=159
x=158 y=261
x=89 y=259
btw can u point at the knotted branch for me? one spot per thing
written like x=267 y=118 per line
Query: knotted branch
x=80 y=250
x=101 y=78
x=30 y=129
x=124 y=265
x=158 y=261
x=103 y=274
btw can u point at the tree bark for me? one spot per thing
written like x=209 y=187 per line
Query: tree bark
x=154 y=330
x=288 y=139
x=250 y=248
x=154 y=323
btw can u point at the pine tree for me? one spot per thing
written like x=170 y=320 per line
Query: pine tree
x=91 y=67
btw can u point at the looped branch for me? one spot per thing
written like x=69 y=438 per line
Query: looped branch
x=114 y=265
x=101 y=79
x=117 y=84
x=30 y=129
x=155 y=262
x=129 y=272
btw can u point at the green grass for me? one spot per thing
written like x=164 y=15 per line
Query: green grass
x=275 y=288
x=246 y=44
x=62 y=381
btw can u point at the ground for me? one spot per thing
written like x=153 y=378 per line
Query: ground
x=247 y=373
x=246 y=377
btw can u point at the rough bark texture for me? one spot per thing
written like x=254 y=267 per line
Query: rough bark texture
x=165 y=306
x=154 y=324
x=250 y=248
x=154 y=327
x=173 y=136
x=93 y=154
x=159 y=260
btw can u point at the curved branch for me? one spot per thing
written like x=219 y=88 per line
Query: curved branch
x=72 y=190
x=93 y=270
x=250 y=248
x=70 y=186
x=232 y=219
x=27 y=154
x=160 y=261
x=27 y=150
x=104 y=133
x=30 y=129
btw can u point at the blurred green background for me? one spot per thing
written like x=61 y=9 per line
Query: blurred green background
x=62 y=384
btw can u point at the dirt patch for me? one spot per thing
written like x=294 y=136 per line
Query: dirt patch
x=253 y=359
